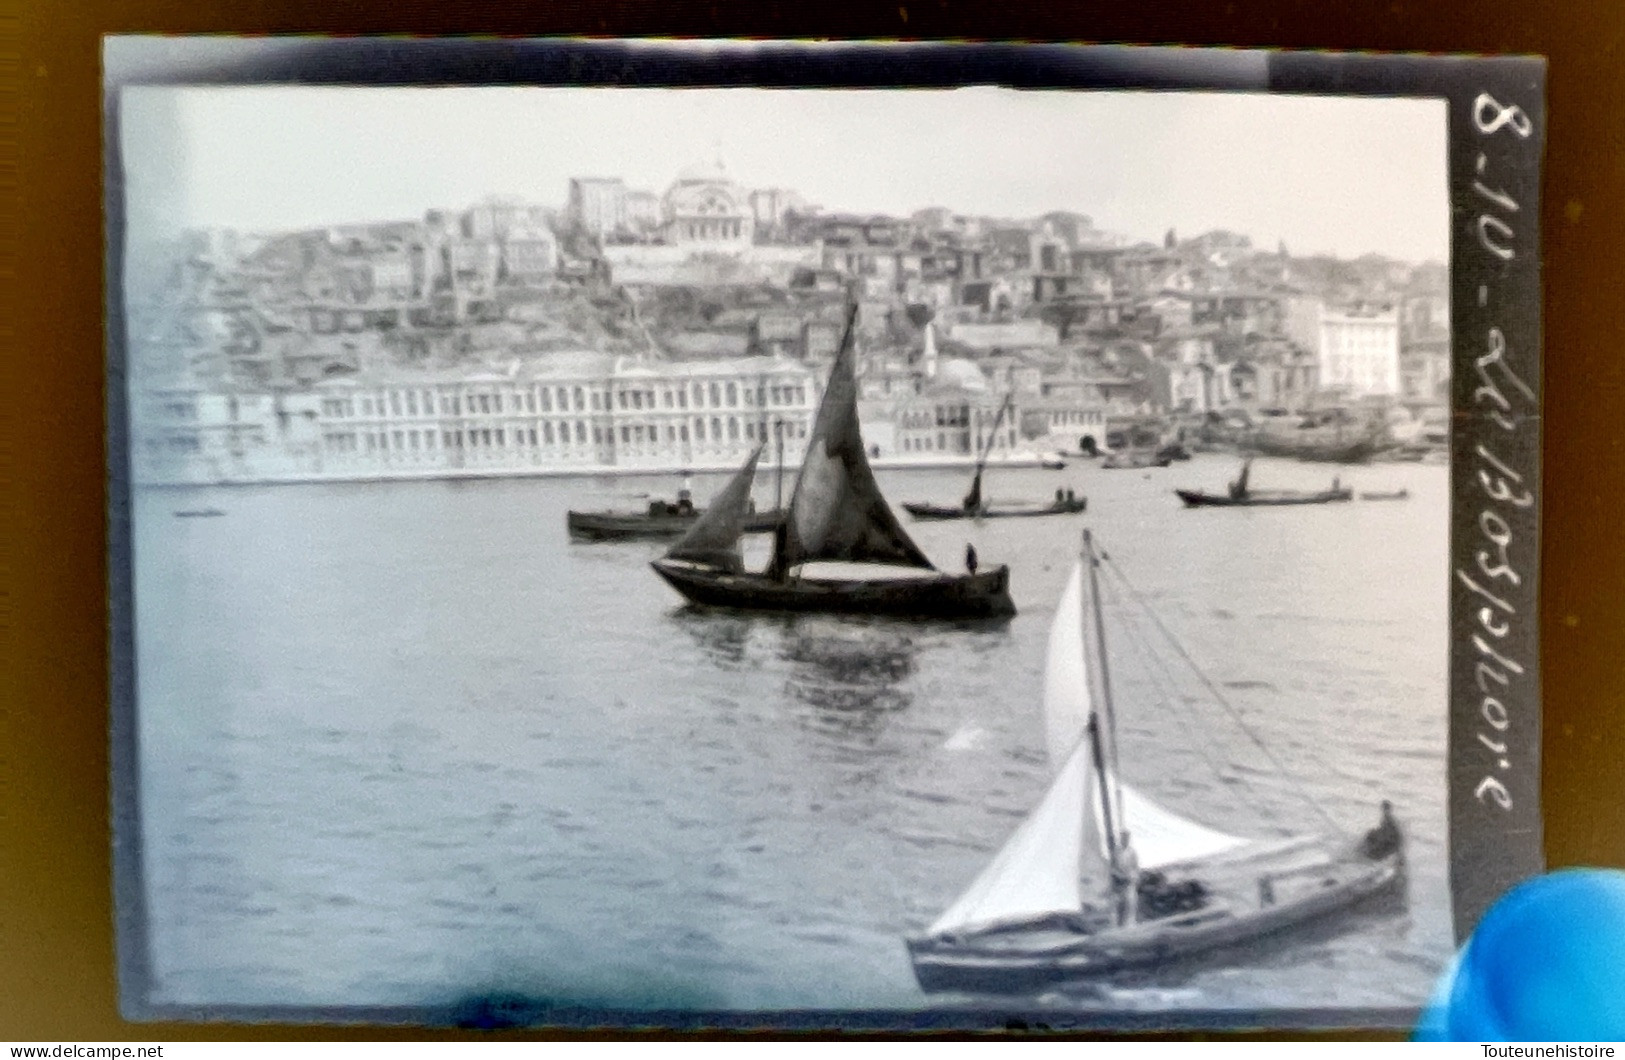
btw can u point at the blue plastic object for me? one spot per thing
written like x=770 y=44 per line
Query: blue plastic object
x=1546 y=964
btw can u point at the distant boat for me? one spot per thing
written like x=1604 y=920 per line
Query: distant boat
x=1243 y=496
x=1135 y=459
x=661 y=519
x=1326 y=445
x=836 y=514
x=975 y=506
x=928 y=513
x=1394 y=495
x=1100 y=879
x=199 y=513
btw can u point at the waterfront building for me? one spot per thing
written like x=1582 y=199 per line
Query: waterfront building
x=953 y=416
x=570 y=411
x=1359 y=350
x=1060 y=423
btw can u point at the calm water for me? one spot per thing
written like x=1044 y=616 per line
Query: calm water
x=403 y=742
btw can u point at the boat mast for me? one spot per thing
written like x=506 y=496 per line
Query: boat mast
x=984 y=449
x=1105 y=744
x=778 y=486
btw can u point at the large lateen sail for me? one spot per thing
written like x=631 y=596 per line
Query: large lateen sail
x=1159 y=835
x=837 y=511
x=1037 y=870
x=714 y=539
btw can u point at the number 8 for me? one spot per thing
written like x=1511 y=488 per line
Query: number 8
x=1489 y=114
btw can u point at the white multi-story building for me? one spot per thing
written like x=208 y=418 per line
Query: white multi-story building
x=1359 y=351
x=569 y=412
x=598 y=204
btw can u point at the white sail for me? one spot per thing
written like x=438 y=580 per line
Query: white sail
x=1037 y=869
x=1162 y=837
x=1159 y=835
x=1067 y=701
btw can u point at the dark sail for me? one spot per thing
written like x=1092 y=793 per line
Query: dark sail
x=973 y=499
x=837 y=511
x=1239 y=487
x=714 y=539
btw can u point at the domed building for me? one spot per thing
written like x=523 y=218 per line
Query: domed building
x=963 y=375
x=705 y=208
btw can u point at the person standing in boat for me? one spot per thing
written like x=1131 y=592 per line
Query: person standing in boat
x=1383 y=839
x=970 y=558
x=777 y=569
x=1126 y=882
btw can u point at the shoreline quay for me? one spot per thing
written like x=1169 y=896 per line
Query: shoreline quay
x=437 y=474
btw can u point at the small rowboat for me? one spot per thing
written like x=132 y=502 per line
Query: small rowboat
x=1395 y=495
x=661 y=521
x=943 y=513
x=1241 y=496
x=1261 y=498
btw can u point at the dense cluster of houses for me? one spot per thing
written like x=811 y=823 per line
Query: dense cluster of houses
x=275 y=356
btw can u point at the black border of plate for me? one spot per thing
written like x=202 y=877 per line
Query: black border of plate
x=1496 y=109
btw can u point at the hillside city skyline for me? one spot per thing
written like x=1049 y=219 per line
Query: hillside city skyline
x=1336 y=178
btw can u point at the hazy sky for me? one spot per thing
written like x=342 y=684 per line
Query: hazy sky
x=1332 y=175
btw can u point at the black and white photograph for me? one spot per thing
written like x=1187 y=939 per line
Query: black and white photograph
x=751 y=550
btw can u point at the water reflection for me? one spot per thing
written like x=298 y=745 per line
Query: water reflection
x=722 y=637
x=853 y=674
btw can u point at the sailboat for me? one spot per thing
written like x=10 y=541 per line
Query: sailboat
x=1100 y=878
x=975 y=506
x=662 y=519
x=836 y=514
x=1241 y=496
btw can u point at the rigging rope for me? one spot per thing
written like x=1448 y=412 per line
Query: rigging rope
x=1158 y=670
x=1218 y=696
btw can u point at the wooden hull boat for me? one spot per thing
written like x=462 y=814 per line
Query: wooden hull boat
x=1133 y=461
x=630 y=526
x=943 y=513
x=985 y=594
x=1099 y=878
x=1261 y=498
x=1396 y=495
x=836 y=514
x=1359 y=451
x=1248 y=900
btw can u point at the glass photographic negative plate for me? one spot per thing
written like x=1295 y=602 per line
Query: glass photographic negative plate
x=789 y=535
